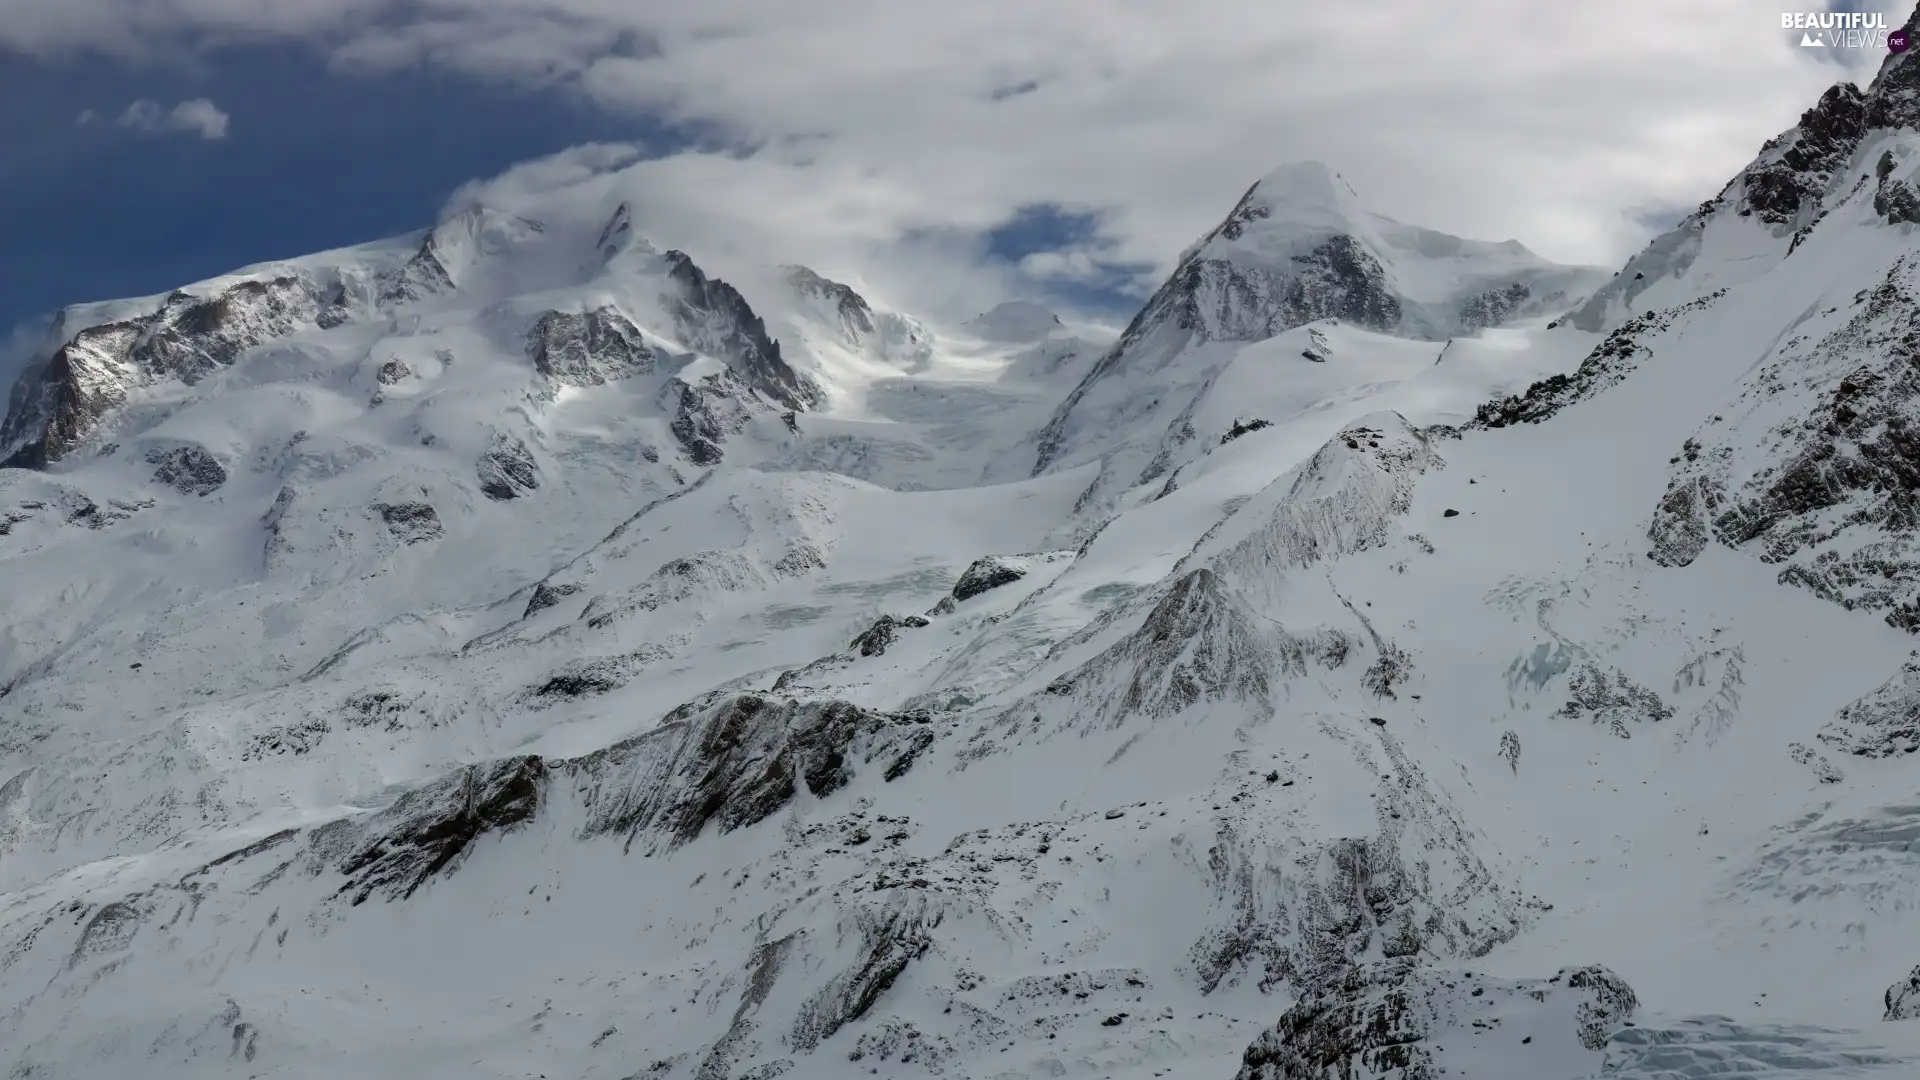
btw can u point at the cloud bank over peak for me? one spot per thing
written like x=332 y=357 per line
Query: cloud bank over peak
x=860 y=130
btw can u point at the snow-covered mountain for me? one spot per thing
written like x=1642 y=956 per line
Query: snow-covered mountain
x=514 y=651
x=1299 y=250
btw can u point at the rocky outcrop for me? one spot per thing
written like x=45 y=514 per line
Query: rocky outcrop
x=855 y=314
x=984 y=574
x=707 y=412
x=1394 y=1019
x=411 y=522
x=735 y=763
x=1894 y=199
x=1612 y=700
x=1794 y=171
x=1343 y=500
x=1903 y=998
x=588 y=349
x=1198 y=644
x=1244 y=426
x=187 y=338
x=713 y=318
x=1883 y=723
x=507 y=470
x=1610 y=362
x=188 y=469
x=1829 y=488
x=878 y=638
x=430 y=828
x=546 y=594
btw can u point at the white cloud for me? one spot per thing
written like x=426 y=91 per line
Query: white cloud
x=875 y=124
x=199 y=117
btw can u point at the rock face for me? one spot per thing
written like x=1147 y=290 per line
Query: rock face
x=412 y=522
x=733 y=764
x=1796 y=168
x=187 y=338
x=713 y=317
x=990 y=572
x=1825 y=482
x=429 y=829
x=707 y=412
x=190 y=470
x=1903 y=998
x=1612 y=699
x=1884 y=723
x=878 y=638
x=588 y=349
x=507 y=470
x=1393 y=1021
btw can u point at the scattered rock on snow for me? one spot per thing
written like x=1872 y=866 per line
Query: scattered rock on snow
x=1883 y=723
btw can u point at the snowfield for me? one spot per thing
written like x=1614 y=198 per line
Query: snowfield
x=513 y=651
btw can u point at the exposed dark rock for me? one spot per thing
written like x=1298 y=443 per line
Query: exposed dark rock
x=1826 y=136
x=890 y=938
x=878 y=638
x=1610 y=362
x=393 y=371
x=1450 y=512
x=707 y=412
x=429 y=828
x=411 y=522
x=187 y=338
x=590 y=676
x=985 y=574
x=190 y=470
x=590 y=349
x=507 y=470
x=1392 y=1019
x=1832 y=491
x=1510 y=749
x=1613 y=700
x=1883 y=723
x=1903 y=998
x=1244 y=427
x=735 y=763
x=715 y=319
x=1895 y=201
x=546 y=594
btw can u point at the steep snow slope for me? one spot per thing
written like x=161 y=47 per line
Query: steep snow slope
x=1537 y=705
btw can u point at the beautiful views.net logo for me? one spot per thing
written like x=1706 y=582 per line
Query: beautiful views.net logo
x=1844 y=30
